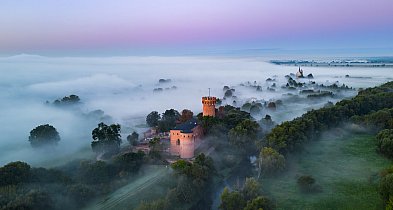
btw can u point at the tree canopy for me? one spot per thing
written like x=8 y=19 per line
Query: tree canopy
x=14 y=173
x=133 y=138
x=244 y=135
x=168 y=120
x=153 y=118
x=106 y=139
x=44 y=135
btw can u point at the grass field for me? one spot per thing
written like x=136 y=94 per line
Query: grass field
x=346 y=167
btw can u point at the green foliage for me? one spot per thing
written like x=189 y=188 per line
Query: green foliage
x=386 y=187
x=106 y=139
x=385 y=142
x=389 y=204
x=155 y=148
x=251 y=189
x=133 y=138
x=168 y=120
x=271 y=161
x=80 y=193
x=232 y=200
x=43 y=175
x=14 y=173
x=44 y=135
x=96 y=172
x=259 y=203
x=182 y=166
x=129 y=162
x=232 y=116
x=248 y=197
x=34 y=200
x=153 y=118
x=376 y=121
x=193 y=189
x=244 y=135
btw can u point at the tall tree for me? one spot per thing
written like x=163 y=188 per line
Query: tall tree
x=186 y=115
x=44 y=135
x=106 y=139
x=168 y=121
x=270 y=161
x=133 y=138
x=153 y=118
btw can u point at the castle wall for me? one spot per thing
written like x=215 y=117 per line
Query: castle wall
x=187 y=146
x=175 y=135
x=184 y=144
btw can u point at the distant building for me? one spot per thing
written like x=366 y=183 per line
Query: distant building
x=185 y=138
x=299 y=74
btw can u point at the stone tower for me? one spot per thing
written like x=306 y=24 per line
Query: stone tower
x=209 y=106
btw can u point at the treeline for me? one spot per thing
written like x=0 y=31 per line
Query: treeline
x=68 y=187
x=289 y=136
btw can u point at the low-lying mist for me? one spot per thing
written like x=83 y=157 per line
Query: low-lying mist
x=128 y=88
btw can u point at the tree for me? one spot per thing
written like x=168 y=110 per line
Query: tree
x=106 y=139
x=385 y=142
x=14 y=173
x=81 y=193
x=153 y=118
x=67 y=100
x=270 y=161
x=168 y=120
x=244 y=135
x=306 y=183
x=155 y=148
x=96 y=172
x=44 y=135
x=186 y=115
x=130 y=162
x=251 y=189
x=232 y=200
x=259 y=203
x=133 y=138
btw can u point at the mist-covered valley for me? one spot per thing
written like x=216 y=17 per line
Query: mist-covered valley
x=128 y=88
x=125 y=90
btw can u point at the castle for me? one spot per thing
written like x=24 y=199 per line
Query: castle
x=185 y=138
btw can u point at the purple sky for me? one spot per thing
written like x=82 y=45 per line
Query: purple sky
x=95 y=25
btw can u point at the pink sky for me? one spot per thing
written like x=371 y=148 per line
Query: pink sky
x=99 y=24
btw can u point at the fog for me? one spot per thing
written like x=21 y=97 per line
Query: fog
x=123 y=87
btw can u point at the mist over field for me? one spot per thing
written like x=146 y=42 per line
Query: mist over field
x=123 y=87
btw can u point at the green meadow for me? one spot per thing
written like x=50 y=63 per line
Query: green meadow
x=346 y=168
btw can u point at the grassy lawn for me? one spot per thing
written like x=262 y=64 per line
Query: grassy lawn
x=346 y=167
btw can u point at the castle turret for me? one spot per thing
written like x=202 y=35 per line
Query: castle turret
x=209 y=106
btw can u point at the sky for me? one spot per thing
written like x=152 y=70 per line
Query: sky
x=147 y=26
